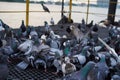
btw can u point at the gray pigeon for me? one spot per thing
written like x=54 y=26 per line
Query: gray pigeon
x=52 y=21
x=81 y=74
x=47 y=28
x=55 y=44
x=100 y=71
x=82 y=26
x=45 y=8
x=40 y=62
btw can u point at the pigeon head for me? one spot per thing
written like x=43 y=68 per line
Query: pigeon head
x=22 y=21
x=90 y=24
x=45 y=22
x=34 y=35
x=67 y=59
x=95 y=28
x=32 y=28
x=28 y=29
x=83 y=21
x=23 y=26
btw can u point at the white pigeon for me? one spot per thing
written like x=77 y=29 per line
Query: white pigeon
x=52 y=21
x=67 y=66
x=104 y=23
x=26 y=46
x=53 y=35
x=77 y=33
x=47 y=27
x=43 y=37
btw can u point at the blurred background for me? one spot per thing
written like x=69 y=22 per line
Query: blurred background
x=12 y=12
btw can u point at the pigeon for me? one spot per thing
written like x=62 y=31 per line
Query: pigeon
x=93 y=34
x=82 y=56
x=52 y=21
x=77 y=33
x=56 y=51
x=8 y=34
x=53 y=35
x=22 y=31
x=64 y=20
x=8 y=50
x=22 y=27
x=113 y=32
x=95 y=28
x=104 y=23
x=33 y=34
x=67 y=66
x=100 y=71
x=31 y=58
x=57 y=63
x=45 y=8
x=26 y=46
x=47 y=28
x=14 y=44
x=40 y=62
x=7 y=31
x=82 y=26
x=55 y=44
x=4 y=71
x=81 y=74
x=90 y=24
